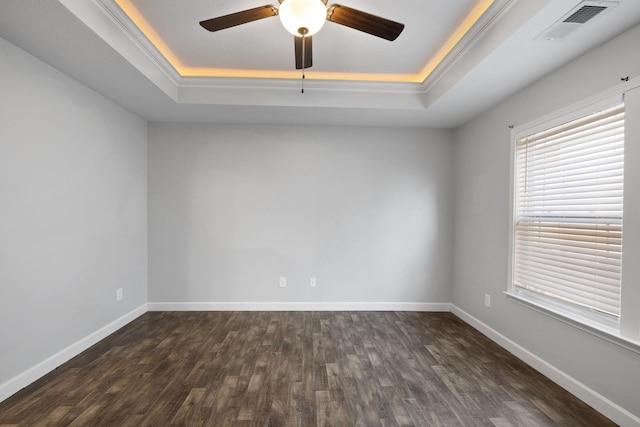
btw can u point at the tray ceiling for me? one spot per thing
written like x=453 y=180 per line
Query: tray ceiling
x=264 y=49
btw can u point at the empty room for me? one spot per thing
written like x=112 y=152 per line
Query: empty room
x=376 y=213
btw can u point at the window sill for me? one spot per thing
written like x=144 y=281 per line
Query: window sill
x=576 y=320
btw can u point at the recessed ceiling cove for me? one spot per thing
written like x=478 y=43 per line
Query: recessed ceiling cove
x=264 y=49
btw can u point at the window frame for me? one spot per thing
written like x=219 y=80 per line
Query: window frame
x=626 y=331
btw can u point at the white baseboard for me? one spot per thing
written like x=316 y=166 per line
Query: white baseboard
x=17 y=383
x=297 y=306
x=603 y=405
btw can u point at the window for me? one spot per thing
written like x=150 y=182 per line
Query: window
x=575 y=223
x=568 y=212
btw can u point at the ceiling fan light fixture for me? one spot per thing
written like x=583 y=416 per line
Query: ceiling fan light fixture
x=303 y=17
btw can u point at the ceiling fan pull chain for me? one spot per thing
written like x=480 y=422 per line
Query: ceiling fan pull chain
x=304 y=47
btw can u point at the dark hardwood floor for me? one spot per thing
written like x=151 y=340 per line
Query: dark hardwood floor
x=296 y=369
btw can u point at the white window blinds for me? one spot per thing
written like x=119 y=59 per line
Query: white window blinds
x=568 y=213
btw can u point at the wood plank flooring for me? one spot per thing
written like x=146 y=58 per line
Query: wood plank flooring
x=296 y=369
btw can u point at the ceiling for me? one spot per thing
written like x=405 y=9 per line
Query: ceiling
x=453 y=60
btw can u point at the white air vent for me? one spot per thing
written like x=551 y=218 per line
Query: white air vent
x=577 y=17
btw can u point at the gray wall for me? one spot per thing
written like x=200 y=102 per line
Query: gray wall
x=72 y=211
x=482 y=224
x=366 y=211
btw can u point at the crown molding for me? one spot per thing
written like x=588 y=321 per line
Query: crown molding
x=134 y=33
x=287 y=92
x=501 y=20
x=105 y=19
x=490 y=18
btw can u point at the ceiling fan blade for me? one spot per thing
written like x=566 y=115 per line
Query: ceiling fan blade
x=362 y=21
x=308 y=52
x=239 y=18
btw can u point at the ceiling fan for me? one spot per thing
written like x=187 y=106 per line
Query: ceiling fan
x=303 y=18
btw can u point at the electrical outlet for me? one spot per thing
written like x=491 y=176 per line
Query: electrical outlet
x=487 y=300
x=312 y=282
x=119 y=294
x=283 y=282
